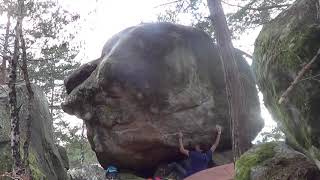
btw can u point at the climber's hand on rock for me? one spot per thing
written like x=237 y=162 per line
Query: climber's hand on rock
x=218 y=129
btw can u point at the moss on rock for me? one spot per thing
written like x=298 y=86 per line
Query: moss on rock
x=252 y=159
x=5 y=158
x=275 y=160
x=283 y=47
x=6 y=161
x=36 y=172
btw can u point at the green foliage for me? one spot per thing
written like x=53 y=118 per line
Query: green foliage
x=51 y=63
x=253 y=13
x=274 y=135
x=49 y=72
x=50 y=31
x=73 y=141
x=244 y=15
x=189 y=12
x=252 y=159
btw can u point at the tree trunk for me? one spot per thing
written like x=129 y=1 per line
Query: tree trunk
x=24 y=69
x=52 y=98
x=15 y=131
x=52 y=89
x=234 y=87
x=3 y=75
x=81 y=144
x=15 y=124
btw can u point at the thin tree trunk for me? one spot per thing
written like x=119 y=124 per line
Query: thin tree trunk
x=52 y=98
x=15 y=131
x=234 y=87
x=15 y=124
x=81 y=145
x=52 y=89
x=24 y=69
x=3 y=76
x=299 y=76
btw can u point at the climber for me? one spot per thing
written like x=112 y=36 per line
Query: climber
x=198 y=160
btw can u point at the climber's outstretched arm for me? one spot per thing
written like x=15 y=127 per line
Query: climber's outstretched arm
x=216 y=143
x=182 y=149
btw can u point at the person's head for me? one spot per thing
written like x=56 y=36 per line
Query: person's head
x=197 y=147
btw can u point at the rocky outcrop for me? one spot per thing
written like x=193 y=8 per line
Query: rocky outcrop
x=275 y=160
x=151 y=81
x=282 y=49
x=45 y=159
x=96 y=172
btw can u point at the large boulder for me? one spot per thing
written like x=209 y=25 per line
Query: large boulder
x=275 y=160
x=151 y=81
x=45 y=160
x=282 y=49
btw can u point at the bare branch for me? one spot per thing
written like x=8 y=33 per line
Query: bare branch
x=312 y=77
x=299 y=76
x=55 y=106
x=316 y=80
x=259 y=8
x=168 y=3
x=244 y=53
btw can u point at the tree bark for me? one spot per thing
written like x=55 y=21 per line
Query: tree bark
x=3 y=76
x=234 y=87
x=24 y=69
x=15 y=131
x=14 y=112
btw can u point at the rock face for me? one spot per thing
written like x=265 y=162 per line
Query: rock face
x=96 y=172
x=282 y=49
x=151 y=81
x=64 y=156
x=275 y=160
x=45 y=159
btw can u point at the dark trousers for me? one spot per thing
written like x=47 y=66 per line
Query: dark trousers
x=182 y=172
